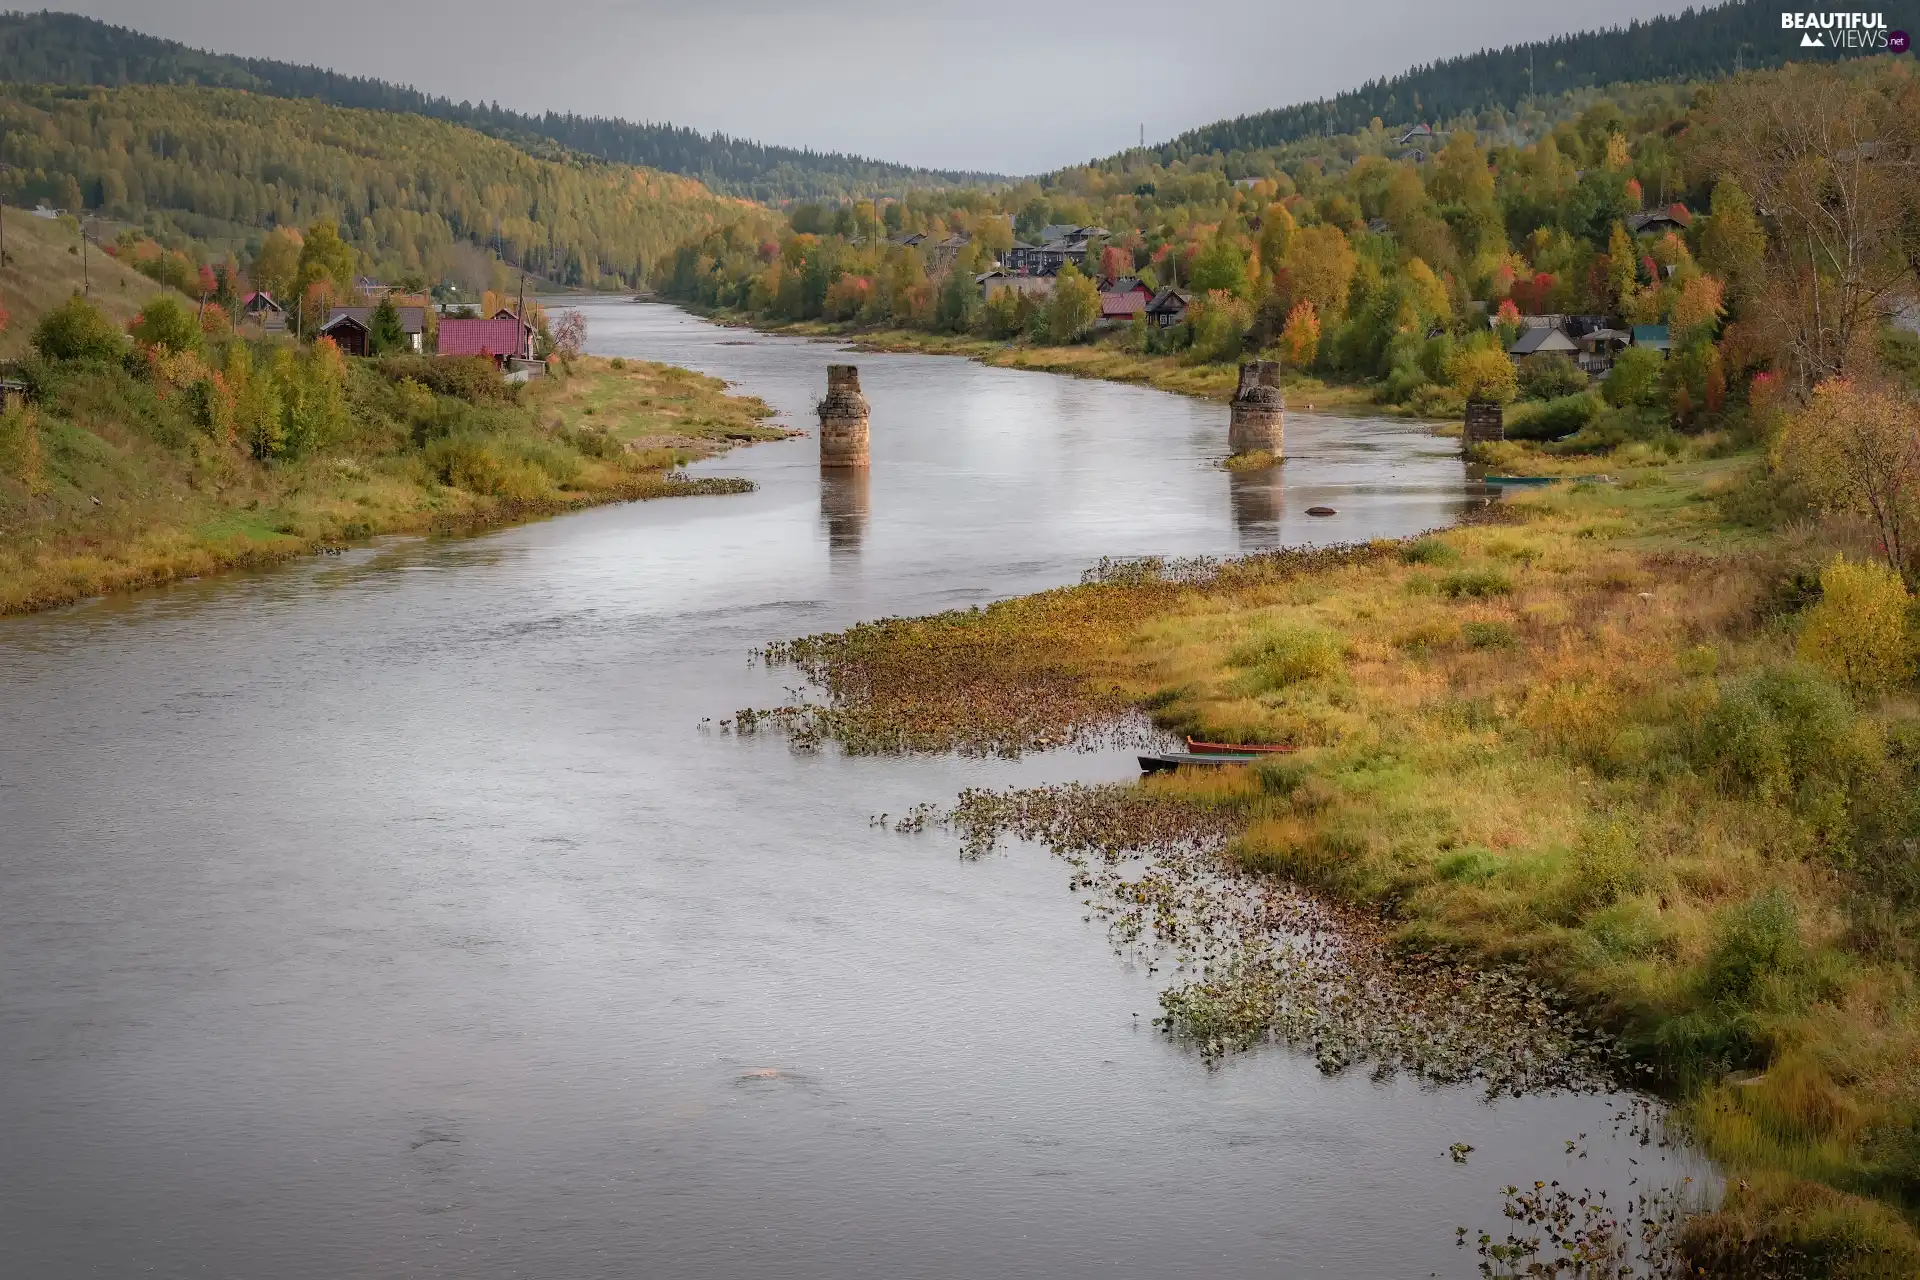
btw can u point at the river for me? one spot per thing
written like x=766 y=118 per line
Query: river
x=396 y=914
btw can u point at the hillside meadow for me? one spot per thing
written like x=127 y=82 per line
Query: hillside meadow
x=140 y=464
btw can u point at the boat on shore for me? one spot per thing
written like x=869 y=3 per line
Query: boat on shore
x=1240 y=749
x=1168 y=761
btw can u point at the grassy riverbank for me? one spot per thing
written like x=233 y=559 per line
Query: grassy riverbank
x=114 y=480
x=1573 y=736
x=1106 y=360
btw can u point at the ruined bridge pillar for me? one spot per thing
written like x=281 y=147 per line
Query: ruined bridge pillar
x=1259 y=421
x=1486 y=422
x=843 y=419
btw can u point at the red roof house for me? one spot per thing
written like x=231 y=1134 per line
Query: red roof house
x=1124 y=299
x=498 y=339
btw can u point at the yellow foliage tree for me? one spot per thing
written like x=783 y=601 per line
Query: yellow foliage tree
x=1483 y=373
x=1856 y=449
x=1858 y=631
x=1320 y=265
x=1300 y=339
x=1700 y=301
x=1617 y=157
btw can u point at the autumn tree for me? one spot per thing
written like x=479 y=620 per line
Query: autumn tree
x=1855 y=449
x=1835 y=162
x=1074 y=307
x=1460 y=174
x=1733 y=244
x=276 y=268
x=1483 y=373
x=1276 y=233
x=1320 y=265
x=570 y=335
x=1220 y=266
x=1300 y=339
x=326 y=257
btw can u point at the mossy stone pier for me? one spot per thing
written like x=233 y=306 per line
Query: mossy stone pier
x=1486 y=422
x=1259 y=418
x=843 y=419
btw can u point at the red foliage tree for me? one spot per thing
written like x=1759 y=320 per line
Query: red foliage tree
x=1531 y=295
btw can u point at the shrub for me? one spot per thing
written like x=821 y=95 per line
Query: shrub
x=1289 y=654
x=1476 y=583
x=466 y=462
x=1428 y=551
x=1785 y=734
x=1487 y=635
x=1634 y=379
x=1858 y=631
x=1756 y=939
x=1555 y=419
x=77 y=330
x=1548 y=375
x=470 y=378
x=165 y=324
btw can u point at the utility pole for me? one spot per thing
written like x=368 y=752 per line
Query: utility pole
x=86 y=272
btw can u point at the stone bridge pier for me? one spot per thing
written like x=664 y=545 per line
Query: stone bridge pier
x=1259 y=418
x=843 y=419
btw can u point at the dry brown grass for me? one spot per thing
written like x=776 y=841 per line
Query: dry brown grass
x=41 y=273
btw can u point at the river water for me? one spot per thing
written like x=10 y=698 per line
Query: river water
x=395 y=914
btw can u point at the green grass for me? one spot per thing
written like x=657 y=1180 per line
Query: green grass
x=121 y=488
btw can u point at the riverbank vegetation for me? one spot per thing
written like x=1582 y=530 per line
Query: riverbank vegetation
x=182 y=452
x=1650 y=735
x=1360 y=259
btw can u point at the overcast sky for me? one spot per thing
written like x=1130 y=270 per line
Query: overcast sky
x=984 y=84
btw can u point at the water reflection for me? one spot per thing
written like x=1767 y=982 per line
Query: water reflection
x=1259 y=506
x=845 y=493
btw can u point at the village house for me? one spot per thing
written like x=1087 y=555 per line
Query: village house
x=947 y=251
x=1654 y=337
x=1655 y=222
x=1124 y=299
x=260 y=308
x=992 y=282
x=500 y=338
x=351 y=328
x=1168 y=308
x=1598 y=348
x=1536 y=339
x=910 y=240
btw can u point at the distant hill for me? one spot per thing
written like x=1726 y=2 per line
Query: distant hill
x=411 y=193
x=65 y=49
x=1696 y=44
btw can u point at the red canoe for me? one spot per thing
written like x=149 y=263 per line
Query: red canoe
x=1230 y=749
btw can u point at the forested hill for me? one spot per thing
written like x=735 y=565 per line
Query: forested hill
x=65 y=49
x=413 y=194
x=1696 y=44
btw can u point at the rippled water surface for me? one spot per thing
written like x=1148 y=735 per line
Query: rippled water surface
x=392 y=914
